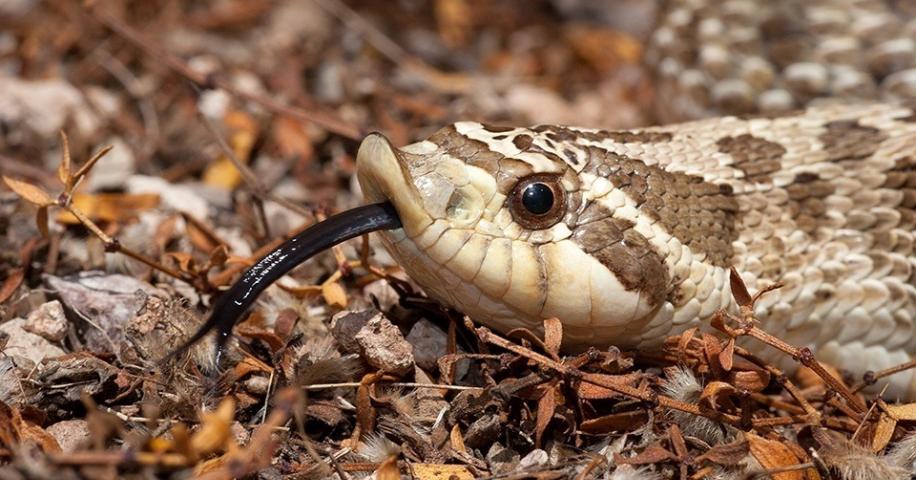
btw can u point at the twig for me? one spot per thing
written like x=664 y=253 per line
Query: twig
x=488 y=336
x=871 y=377
x=326 y=386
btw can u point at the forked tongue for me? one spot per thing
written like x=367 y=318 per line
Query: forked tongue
x=336 y=229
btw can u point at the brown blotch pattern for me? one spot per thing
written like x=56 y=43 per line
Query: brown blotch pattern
x=563 y=134
x=848 y=140
x=756 y=157
x=624 y=251
x=700 y=214
x=806 y=201
x=903 y=177
x=497 y=128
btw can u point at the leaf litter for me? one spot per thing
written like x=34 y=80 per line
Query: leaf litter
x=241 y=118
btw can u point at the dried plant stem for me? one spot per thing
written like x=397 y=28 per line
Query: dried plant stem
x=488 y=336
x=747 y=326
x=114 y=246
x=871 y=377
x=326 y=386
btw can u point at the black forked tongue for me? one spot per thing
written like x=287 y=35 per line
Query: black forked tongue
x=319 y=237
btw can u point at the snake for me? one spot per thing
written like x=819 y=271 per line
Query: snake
x=629 y=236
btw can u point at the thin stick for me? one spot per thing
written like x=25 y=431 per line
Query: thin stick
x=326 y=386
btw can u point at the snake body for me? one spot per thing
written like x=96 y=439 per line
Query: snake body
x=645 y=225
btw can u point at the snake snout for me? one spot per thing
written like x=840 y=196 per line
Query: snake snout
x=384 y=175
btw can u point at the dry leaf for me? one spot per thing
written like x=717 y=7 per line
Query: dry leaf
x=438 y=471
x=547 y=404
x=292 y=139
x=12 y=282
x=727 y=453
x=388 y=470
x=243 y=134
x=739 y=289
x=334 y=294
x=774 y=455
x=214 y=430
x=903 y=412
x=28 y=192
x=884 y=430
x=457 y=440
x=109 y=207
x=553 y=336
x=615 y=422
x=715 y=390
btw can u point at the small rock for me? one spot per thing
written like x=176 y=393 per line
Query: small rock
x=383 y=346
x=257 y=384
x=71 y=435
x=535 y=460
x=345 y=325
x=429 y=343
x=23 y=343
x=10 y=389
x=48 y=321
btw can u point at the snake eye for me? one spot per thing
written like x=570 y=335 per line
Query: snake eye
x=537 y=201
x=537 y=198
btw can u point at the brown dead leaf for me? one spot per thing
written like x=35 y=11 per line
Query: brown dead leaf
x=739 y=289
x=553 y=336
x=750 y=380
x=457 y=440
x=714 y=391
x=547 y=405
x=727 y=453
x=727 y=356
x=903 y=412
x=16 y=431
x=388 y=470
x=292 y=139
x=654 y=453
x=884 y=431
x=11 y=283
x=615 y=422
x=28 y=192
x=244 y=132
x=773 y=455
x=109 y=207
x=439 y=471
x=214 y=433
x=334 y=294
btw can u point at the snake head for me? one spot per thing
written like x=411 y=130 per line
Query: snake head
x=496 y=224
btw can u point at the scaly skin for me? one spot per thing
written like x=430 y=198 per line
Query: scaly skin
x=821 y=200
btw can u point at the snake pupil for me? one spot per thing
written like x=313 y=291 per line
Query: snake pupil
x=537 y=198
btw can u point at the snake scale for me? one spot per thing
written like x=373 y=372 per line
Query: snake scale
x=628 y=236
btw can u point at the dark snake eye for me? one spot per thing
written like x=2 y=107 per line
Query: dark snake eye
x=537 y=198
x=537 y=201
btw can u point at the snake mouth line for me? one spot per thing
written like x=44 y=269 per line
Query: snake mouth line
x=319 y=237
